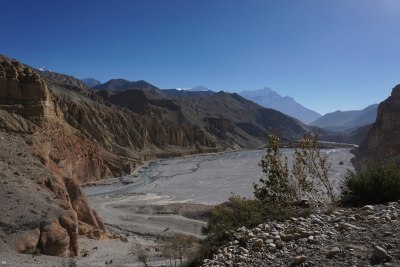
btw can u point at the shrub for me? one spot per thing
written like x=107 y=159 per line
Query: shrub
x=376 y=184
x=142 y=257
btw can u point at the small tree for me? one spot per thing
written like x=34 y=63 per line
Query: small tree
x=142 y=257
x=311 y=170
x=307 y=178
x=277 y=187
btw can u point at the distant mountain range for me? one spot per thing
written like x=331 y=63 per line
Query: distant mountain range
x=270 y=99
x=90 y=82
x=345 y=121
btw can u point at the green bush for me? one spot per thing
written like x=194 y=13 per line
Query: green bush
x=376 y=184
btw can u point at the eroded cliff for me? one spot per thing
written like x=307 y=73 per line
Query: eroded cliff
x=41 y=159
x=383 y=139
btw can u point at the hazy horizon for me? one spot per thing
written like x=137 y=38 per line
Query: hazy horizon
x=327 y=55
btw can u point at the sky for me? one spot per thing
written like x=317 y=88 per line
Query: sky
x=327 y=55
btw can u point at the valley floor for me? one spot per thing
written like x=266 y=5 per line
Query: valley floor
x=164 y=198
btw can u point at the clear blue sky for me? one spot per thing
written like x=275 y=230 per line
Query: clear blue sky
x=328 y=55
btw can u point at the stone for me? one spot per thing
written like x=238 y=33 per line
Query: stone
x=299 y=260
x=29 y=242
x=379 y=253
x=54 y=239
x=259 y=243
x=368 y=207
x=243 y=250
x=279 y=244
x=346 y=226
x=386 y=234
x=334 y=251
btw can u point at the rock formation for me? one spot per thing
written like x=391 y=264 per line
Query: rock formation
x=383 y=139
x=58 y=156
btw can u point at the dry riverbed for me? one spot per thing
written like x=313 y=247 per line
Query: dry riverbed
x=165 y=198
x=173 y=196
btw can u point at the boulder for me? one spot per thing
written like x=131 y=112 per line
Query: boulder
x=54 y=239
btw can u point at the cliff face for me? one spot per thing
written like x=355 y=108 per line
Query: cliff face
x=22 y=90
x=383 y=139
x=42 y=154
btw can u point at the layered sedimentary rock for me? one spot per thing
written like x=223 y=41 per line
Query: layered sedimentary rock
x=383 y=139
x=22 y=90
x=58 y=157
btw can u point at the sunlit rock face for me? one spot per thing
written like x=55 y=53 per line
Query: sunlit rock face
x=383 y=140
x=23 y=91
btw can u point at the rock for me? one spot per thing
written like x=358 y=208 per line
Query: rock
x=54 y=240
x=29 y=242
x=287 y=238
x=243 y=250
x=386 y=234
x=299 y=260
x=346 y=226
x=279 y=244
x=368 y=208
x=259 y=243
x=334 y=251
x=379 y=253
x=69 y=221
x=123 y=239
x=80 y=204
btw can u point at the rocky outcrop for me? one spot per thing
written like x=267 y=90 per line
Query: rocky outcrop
x=383 y=139
x=79 y=203
x=69 y=221
x=23 y=91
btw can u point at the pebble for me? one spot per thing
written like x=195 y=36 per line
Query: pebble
x=299 y=260
x=379 y=253
x=334 y=251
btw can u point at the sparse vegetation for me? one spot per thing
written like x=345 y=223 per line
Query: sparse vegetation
x=179 y=247
x=237 y=212
x=378 y=183
x=142 y=257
